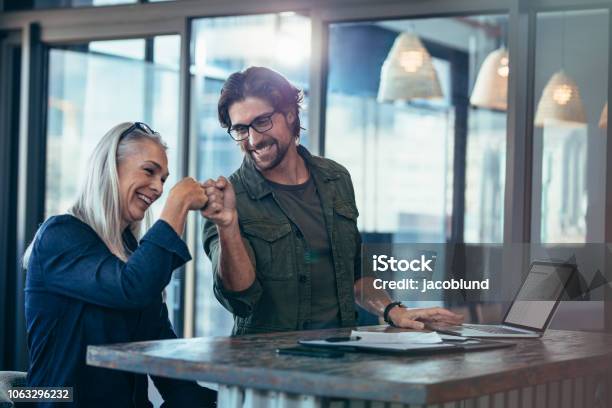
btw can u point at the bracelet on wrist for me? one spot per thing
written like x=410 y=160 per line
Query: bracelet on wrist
x=388 y=309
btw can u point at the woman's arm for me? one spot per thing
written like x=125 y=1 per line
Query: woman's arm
x=186 y=195
x=75 y=262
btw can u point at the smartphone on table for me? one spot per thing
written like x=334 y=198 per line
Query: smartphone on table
x=310 y=352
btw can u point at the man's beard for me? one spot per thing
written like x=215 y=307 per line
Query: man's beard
x=281 y=151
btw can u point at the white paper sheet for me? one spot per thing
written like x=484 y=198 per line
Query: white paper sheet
x=368 y=337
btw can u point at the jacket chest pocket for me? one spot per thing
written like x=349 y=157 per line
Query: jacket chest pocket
x=347 y=237
x=272 y=243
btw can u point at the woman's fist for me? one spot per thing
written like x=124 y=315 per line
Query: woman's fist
x=190 y=193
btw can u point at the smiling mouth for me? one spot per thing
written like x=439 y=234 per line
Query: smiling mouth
x=262 y=150
x=144 y=198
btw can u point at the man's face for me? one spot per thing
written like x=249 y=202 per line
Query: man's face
x=267 y=149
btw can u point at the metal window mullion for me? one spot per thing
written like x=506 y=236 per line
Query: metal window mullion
x=149 y=80
x=148 y=13
x=567 y=5
x=519 y=143
x=318 y=83
x=608 y=192
x=460 y=101
x=405 y=9
x=5 y=194
x=100 y=31
x=9 y=118
x=32 y=163
x=187 y=157
x=521 y=48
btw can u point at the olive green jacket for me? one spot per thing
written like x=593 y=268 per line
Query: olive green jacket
x=280 y=297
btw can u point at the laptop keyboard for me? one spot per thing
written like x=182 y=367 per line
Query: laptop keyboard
x=492 y=329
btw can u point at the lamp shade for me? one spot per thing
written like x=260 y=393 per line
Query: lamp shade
x=408 y=72
x=491 y=87
x=560 y=103
x=603 y=120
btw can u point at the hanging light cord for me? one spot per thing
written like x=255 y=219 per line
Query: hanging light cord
x=563 y=26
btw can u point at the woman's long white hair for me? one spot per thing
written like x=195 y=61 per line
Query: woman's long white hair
x=99 y=202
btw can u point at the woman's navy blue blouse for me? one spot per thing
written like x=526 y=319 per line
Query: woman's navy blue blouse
x=78 y=294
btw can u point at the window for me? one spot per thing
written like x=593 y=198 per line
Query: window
x=570 y=96
x=93 y=87
x=220 y=47
x=428 y=166
x=13 y=5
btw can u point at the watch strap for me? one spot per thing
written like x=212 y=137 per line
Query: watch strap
x=387 y=310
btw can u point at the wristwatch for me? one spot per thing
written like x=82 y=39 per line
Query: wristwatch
x=388 y=309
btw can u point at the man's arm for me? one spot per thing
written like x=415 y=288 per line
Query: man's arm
x=376 y=300
x=373 y=300
x=236 y=269
x=238 y=303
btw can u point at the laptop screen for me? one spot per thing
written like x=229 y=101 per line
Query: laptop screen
x=539 y=294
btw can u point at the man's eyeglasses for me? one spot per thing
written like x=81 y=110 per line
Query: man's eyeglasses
x=261 y=124
x=140 y=126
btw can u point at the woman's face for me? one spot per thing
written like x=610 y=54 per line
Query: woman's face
x=142 y=173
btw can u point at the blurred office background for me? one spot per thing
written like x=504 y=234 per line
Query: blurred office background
x=461 y=121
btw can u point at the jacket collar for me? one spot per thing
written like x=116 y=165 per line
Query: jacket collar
x=257 y=187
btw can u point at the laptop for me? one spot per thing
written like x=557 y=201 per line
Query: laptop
x=532 y=309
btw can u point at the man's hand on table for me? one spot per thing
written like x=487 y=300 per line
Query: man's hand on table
x=416 y=318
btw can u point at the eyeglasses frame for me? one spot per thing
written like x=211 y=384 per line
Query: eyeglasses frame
x=250 y=125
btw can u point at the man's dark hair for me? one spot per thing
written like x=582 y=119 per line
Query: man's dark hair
x=261 y=83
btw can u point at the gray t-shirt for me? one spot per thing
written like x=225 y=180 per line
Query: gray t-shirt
x=303 y=204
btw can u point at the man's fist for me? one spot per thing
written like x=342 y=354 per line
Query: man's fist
x=221 y=206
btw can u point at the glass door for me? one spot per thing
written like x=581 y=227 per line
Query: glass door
x=95 y=85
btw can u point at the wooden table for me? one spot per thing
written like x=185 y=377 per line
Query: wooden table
x=563 y=369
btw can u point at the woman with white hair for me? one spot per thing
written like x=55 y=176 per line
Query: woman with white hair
x=93 y=277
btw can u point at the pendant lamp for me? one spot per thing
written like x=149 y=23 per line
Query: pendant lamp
x=408 y=72
x=491 y=86
x=560 y=103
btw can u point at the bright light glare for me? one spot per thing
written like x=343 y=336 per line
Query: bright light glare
x=503 y=70
x=412 y=61
x=290 y=51
x=562 y=94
